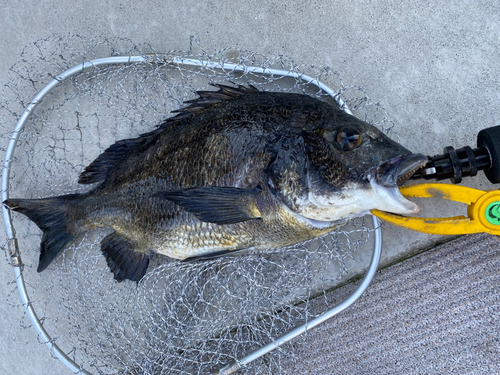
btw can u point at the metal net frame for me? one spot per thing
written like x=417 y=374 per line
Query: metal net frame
x=182 y=318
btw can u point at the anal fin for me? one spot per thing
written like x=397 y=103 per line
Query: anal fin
x=123 y=259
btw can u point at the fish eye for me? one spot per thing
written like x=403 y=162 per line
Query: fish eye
x=348 y=138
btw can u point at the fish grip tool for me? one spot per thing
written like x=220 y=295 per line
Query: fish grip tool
x=483 y=210
x=483 y=207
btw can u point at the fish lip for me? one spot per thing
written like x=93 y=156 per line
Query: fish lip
x=396 y=171
x=393 y=200
x=386 y=178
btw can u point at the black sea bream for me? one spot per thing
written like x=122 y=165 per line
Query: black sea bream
x=237 y=170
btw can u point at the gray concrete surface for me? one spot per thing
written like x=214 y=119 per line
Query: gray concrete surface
x=437 y=313
x=433 y=67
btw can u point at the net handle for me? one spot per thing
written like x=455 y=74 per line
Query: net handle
x=13 y=248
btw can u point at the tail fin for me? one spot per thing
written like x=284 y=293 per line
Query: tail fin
x=50 y=214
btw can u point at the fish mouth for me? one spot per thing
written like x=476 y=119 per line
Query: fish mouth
x=398 y=170
x=386 y=178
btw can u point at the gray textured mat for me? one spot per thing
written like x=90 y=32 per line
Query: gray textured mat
x=437 y=313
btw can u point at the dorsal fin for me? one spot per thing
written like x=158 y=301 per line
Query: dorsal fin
x=101 y=167
x=226 y=92
x=208 y=98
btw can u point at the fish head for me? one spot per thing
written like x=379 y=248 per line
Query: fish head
x=353 y=168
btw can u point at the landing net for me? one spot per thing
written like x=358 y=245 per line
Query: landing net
x=182 y=318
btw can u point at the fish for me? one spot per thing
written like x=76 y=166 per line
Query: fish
x=237 y=170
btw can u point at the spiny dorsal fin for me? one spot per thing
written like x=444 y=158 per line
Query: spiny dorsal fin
x=208 y=98
x=101 y=167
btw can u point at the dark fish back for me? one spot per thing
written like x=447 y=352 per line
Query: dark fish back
x=213 y=142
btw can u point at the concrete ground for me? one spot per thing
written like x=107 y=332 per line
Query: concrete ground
x=433 y=67
x=436 y=313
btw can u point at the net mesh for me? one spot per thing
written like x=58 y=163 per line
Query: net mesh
x=182 y=318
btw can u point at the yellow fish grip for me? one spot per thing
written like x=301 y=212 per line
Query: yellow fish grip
x=483 y=210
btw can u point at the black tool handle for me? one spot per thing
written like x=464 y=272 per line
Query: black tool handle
x=463 y=162
x=490 y=139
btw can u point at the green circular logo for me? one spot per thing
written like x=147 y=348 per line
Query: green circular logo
x=492 y=213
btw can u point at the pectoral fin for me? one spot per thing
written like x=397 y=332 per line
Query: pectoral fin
x=123 y=259
x=218 y=205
